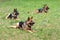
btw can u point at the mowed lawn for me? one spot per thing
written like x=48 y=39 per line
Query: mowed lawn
x=47 y=25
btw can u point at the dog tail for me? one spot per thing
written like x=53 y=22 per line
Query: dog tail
x=13 y=27
x=16 y=26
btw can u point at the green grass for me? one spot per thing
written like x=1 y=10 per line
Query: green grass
x=47 y=26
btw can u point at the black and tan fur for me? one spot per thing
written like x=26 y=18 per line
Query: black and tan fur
x=25 y=25
x=13 y=15
x=43 y=9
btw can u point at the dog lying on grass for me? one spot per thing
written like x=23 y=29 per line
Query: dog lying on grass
x=13 y=15
x=25 y=25
x=43 y=9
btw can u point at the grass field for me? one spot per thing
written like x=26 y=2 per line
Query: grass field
x=47 y=26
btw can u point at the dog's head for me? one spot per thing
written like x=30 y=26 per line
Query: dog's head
x=15 y=12
x=46 y=7
x=30 y=22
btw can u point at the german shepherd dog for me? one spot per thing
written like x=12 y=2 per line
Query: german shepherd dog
x=13 y=15
x=43 y=9
x=25 y=25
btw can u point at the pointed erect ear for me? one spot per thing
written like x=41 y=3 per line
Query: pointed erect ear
x=45 y=5
x=32 y=17
x=28 y=19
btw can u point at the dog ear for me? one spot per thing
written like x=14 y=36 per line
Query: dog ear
x=28 y=19
x=45 y=4
x=15 y=8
